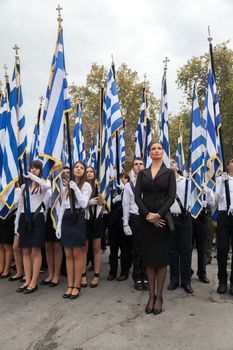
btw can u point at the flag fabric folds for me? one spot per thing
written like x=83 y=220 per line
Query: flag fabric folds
x=197 y=156
x=79 y=152
x=180 y=161
x=59 y=102
x=164 y=123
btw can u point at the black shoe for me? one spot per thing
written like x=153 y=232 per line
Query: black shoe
x=44 y=283
x=203 y=279
x=111 y=277
x=173 y=286
x=12 y=279
x=21 y=289
x=222 y=288
x=139 y=285
x=157 y=311
x=122 y=278
x=75 y=296
x=67 y=295
x=54 y=284
x=29 y=290
x=231 y=289
x=84 y=285
x=187 y=287
x=94 y=285
x=5 y=276
x=145 y=285
x=149 y=310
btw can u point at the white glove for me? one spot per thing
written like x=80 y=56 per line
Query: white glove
x=58 y=232
x=204 y=188
x=204 y=204
x=127 y=230
x=120 y=186
x=93 y=201
x=230 y=211
x=224 y=176
x=73 y=185
x=116 y=199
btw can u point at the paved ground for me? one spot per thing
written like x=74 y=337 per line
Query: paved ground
x=112 y=317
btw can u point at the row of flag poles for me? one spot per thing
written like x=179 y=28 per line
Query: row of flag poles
x=53 y=144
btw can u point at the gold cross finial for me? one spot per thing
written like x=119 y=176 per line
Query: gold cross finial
x=41 y=100
x=16 y=48
x=59 y=8
x=165 y=63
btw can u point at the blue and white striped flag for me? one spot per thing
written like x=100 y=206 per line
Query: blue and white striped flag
x=143 y=136
x=52 y=138
x=104 y=172
x=34 y=150
x=212 y=157
x=121 y=149
x=93 y=152
x=79 y=152
x=9 y=161
x=164 y=123
x=180 y=161
x=16 y=108
x=197 y=155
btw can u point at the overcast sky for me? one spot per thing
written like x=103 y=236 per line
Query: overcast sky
x=140 y=33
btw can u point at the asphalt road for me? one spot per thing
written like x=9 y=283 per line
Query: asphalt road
x=112 y=317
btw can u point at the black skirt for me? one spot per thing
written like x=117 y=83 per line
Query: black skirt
x=50 y=233
x=34 y=238
x=73 y=234
x=7 y=230
x=95 y=228
x=154 y=242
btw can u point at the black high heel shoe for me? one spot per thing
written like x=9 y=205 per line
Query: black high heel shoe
x=94 y=285
x=67 y=295
x=150 y=310
x=75 y=296
x=157 y=311
x=84 y=285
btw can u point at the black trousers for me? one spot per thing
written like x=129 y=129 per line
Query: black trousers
x=224 y=234
x=139 y=273
x=200 y=231
x=117 y=239
x=180 y=250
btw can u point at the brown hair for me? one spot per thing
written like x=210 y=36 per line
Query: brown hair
x=83 y=179
x=38 y=165
x=153 y=142
x=92 y=182
x=229 y=159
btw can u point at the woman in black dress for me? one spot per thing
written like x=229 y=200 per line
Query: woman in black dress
x=155 y=193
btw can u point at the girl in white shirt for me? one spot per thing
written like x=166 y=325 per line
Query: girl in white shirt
x=72 y=227
x=32 y=237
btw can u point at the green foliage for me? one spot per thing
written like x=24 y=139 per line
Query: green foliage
x=223 y=65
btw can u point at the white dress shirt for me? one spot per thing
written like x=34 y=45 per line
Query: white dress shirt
x=128 y=203
x=220 y=193
x=180 y=191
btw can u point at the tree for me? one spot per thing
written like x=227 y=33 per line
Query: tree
x=130 y=96
x=197 y=67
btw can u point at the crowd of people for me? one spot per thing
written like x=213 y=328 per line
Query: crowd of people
x=149 y=225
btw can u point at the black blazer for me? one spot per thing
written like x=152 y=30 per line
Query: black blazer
x=164 y=184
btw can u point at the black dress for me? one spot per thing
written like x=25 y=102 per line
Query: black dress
x=155 y=239
x=7 y=229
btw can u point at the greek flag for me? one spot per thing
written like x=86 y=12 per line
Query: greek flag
x=143 y=136
x=212 y=157
x=164 y=124
x=52 y=138
x=34 y=150
x=121 y=149
x=93 y=153
x=180 y=162
x=9 y=158
x=104 y=173
x=196 y=149
x=16 y=103
x=79 y=152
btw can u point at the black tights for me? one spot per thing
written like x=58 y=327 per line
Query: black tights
x=153 y=274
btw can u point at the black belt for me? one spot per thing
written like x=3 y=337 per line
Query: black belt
x=180 y=215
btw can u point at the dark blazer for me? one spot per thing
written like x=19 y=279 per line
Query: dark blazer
x=164 y=184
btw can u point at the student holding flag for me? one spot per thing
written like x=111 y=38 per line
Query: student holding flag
x=71 y=228
x=32 y=234
x=224 y=231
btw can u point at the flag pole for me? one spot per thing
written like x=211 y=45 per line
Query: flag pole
x=99 y=152
x=117 y=135
x=27 y=207
x=145 y=120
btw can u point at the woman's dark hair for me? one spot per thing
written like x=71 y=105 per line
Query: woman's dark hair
x=125 y=175
x=83 y=179
x=92 y=183
x=153 y=142
x=229 y=159
x=38 y=165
